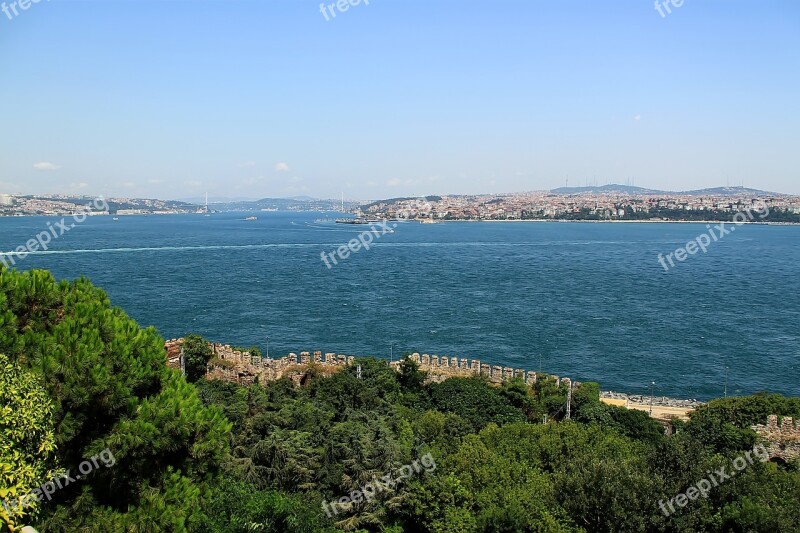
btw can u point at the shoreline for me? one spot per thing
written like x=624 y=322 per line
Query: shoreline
x=437 y=221
x=442 y=368
x=644 y=399
x=661 y=408
x=628 y=221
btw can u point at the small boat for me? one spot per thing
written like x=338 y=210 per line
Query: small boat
x=115 y=218
x=251 y=218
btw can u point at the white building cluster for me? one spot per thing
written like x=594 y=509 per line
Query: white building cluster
x=609 y=206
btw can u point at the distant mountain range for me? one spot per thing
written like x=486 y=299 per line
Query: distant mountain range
x=307 y=203
x=629 y=189
x=300 y=203
x=201 y=200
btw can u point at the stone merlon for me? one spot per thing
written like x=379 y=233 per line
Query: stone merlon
x=244 y=368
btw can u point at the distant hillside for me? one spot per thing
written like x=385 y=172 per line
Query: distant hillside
x=733 y=191
x=304 y=203
x=201 y=200
x=628 y=189
x=115 y=204
x=390 y=201
x=612 y=188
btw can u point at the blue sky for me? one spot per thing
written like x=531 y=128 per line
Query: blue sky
x=399 y=97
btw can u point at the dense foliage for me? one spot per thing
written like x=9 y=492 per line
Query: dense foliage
x=26 y=439
x=109 y=388
x=197 y=354
x=79 y=376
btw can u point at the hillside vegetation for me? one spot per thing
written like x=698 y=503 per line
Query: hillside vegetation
x=79 y=378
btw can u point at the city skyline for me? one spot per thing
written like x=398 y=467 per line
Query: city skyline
x=629 y=190
x=390 y=99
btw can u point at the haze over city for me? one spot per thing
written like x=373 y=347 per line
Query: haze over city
x=397 y=98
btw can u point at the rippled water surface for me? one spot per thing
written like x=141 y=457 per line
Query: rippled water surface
x=584 y=300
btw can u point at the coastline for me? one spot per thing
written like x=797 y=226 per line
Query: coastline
x=627 y=221
x=661 y=401
x=658 y=407
x=437 y=221
x=244 y=368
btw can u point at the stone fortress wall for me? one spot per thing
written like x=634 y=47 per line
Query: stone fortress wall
x=441 y=368
x=244 y=368
x=783 y=439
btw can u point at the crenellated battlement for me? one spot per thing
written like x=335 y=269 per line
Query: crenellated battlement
x=787 y=429
x=245 y=368
x=441 y=368
x=783 y=437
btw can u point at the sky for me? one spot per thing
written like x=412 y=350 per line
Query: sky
x=273 y=98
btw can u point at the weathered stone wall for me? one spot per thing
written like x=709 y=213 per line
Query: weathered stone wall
x=782 y=439
x=244 y=368
x=444 y=367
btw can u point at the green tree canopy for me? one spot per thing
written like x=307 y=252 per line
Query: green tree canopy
x=110 y=388
x=27 y=442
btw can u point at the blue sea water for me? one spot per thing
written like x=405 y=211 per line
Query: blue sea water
x=584 y=300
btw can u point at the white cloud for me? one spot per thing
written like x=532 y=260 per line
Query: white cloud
x=282 y=167
x=193 y=183
x=81 y=185
x=637 y=118
x=247 y=164
x=44 y=165
x=155 y=182
x=295 y=179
